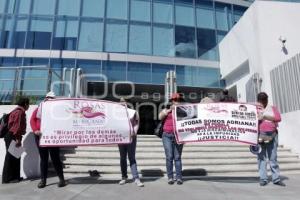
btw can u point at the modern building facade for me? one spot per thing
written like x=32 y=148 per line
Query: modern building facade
x=125 y=40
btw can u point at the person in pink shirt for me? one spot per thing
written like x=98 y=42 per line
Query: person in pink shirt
x=269 y=117
x=173 y=150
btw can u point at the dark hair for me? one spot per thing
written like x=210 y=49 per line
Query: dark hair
x=225 y=92
x=23 y=102
x=262 y=97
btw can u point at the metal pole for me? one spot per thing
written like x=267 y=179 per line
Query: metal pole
x=63 y=81
x=71 y=91
x=78 y=82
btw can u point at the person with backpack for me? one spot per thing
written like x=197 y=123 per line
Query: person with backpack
x=16 y=129
x=35 y=122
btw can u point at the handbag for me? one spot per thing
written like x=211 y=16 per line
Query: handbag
x=158 y=131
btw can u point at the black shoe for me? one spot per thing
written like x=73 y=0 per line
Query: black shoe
x=263 y=183
x=280 y=183
x=42 y=184
x=179 y=182
x=61 y=183
x=170 y=181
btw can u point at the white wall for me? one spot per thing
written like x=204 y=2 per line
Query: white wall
x=289 y=130
x=256 y=38
x=30 y=161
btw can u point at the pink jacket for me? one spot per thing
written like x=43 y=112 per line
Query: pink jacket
x=267 y=125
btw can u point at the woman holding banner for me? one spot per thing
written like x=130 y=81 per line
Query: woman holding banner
x=269 y=117
x=54 y=152
x=173 y=150
x=129 y=149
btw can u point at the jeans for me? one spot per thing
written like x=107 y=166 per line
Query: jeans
x=128 y=149
x=173 y=153
x=269 y=150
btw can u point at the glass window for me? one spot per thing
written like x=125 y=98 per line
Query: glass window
x=197 y=76
x=163 y=11
x=69 y=7
x=65 y=35
x=115 y=71
x=117 y=9
x=184 y=13
x=223 y=16
x=11 y=6
x=139 y=72
x=24 y=6
x=238 y=12
x=159 y=73
x=39 y=34
x=91 y=35
x=31 y=76
x=205 y=14
x=163 y=41
x=92 y=67
x=10 y=61
x=206 y=43
x=2 y=6
x=140 y=10
x=185 y=42
x=116 y=36
x=140 y=39
x=18 y=41
x=220 y=35
x=93 y=8
x=43 y=7
x=7 y=34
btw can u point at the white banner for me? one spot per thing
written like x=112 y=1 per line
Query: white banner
x=75 y=122
x=216 y=122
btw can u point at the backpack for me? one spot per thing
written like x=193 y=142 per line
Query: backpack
x=4 y=125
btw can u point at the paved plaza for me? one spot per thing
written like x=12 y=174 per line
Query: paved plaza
x=213 y=188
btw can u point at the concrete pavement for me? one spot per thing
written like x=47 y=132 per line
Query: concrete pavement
x=214 y=188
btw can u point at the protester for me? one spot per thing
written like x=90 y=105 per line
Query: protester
x=35 y=123
x=226 y=97
x=173 y=150
x=129 y=149
x=16 y=129
x=269 y=117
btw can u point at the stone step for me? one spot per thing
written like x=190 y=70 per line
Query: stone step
x=162 y=162
x=161 y=149
x=161 y=155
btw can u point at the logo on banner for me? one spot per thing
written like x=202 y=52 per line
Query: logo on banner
x=87 y=113
x=241 y=113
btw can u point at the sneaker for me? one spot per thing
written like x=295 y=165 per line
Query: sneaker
x=123 y=181
x=41 y=184
x=170 y=181
x=61 y=183
x=263 y=183
x=280 y=183
x=179 y=182
x=139 y=183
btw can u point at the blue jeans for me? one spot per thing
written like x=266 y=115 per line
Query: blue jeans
x=128 y=149
x=173 y=153
x=269 y=151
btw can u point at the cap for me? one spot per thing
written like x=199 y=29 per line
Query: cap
x=255 y=149
x=50 y=94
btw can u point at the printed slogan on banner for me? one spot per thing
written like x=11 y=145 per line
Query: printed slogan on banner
x=69 y=122
x=216 y=122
